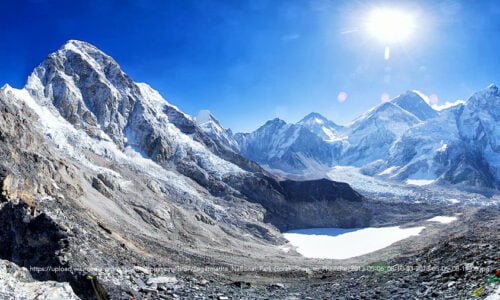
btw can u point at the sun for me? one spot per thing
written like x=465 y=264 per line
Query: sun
x=389 y=25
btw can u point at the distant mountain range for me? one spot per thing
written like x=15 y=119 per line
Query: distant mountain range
x=403 y=139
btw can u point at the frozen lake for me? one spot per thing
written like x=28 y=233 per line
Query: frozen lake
x=341 y=243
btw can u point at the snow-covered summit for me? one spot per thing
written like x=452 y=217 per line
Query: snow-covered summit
x=370 y=136
x=89 y=89
x=214 y=129
x=289 y=147
x=485 y=95
x=386 y=116
x=458 y=146
x=321 y=126
x=413 y=102
x=493 y=86
x=317 y=118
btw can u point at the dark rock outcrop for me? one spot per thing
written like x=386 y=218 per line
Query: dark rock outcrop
x=37 y=242
x=305 y=204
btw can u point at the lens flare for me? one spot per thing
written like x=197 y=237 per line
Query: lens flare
x=342 y=97
x=385 y=98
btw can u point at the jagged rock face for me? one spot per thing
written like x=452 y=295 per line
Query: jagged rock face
x=28 y=240
x=34 y=240
x=304 y=204
x=88 y=88
x=475 y=159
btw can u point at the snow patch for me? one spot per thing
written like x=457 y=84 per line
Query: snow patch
x=419 y=182
x=389 y=170
x=495 y=295
x=443 y=148
x=442 y=219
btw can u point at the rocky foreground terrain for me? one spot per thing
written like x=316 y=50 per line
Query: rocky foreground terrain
x=449 y=262
x=110 y=192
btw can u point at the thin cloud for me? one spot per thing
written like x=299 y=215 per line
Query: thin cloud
x=290 y=37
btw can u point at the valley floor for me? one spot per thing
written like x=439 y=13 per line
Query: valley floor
x=447 y=261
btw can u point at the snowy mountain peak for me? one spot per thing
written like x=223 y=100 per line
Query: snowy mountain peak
x=88 y=89
x=494 y=89
x=289 y=147
x=88 y=52
x=389 y=112
x=212 y=127
x=276 y=122
x=5 y=87
x=81 y=45
x=321 y=126
x=314 y=117
x=413 y=93
x=413 y=102
x=384 y=107
x=486 y=98
x=371 y=135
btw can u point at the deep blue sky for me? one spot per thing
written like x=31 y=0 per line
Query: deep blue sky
x=250 y=61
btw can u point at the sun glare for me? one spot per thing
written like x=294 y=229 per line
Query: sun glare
x=390 y=26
